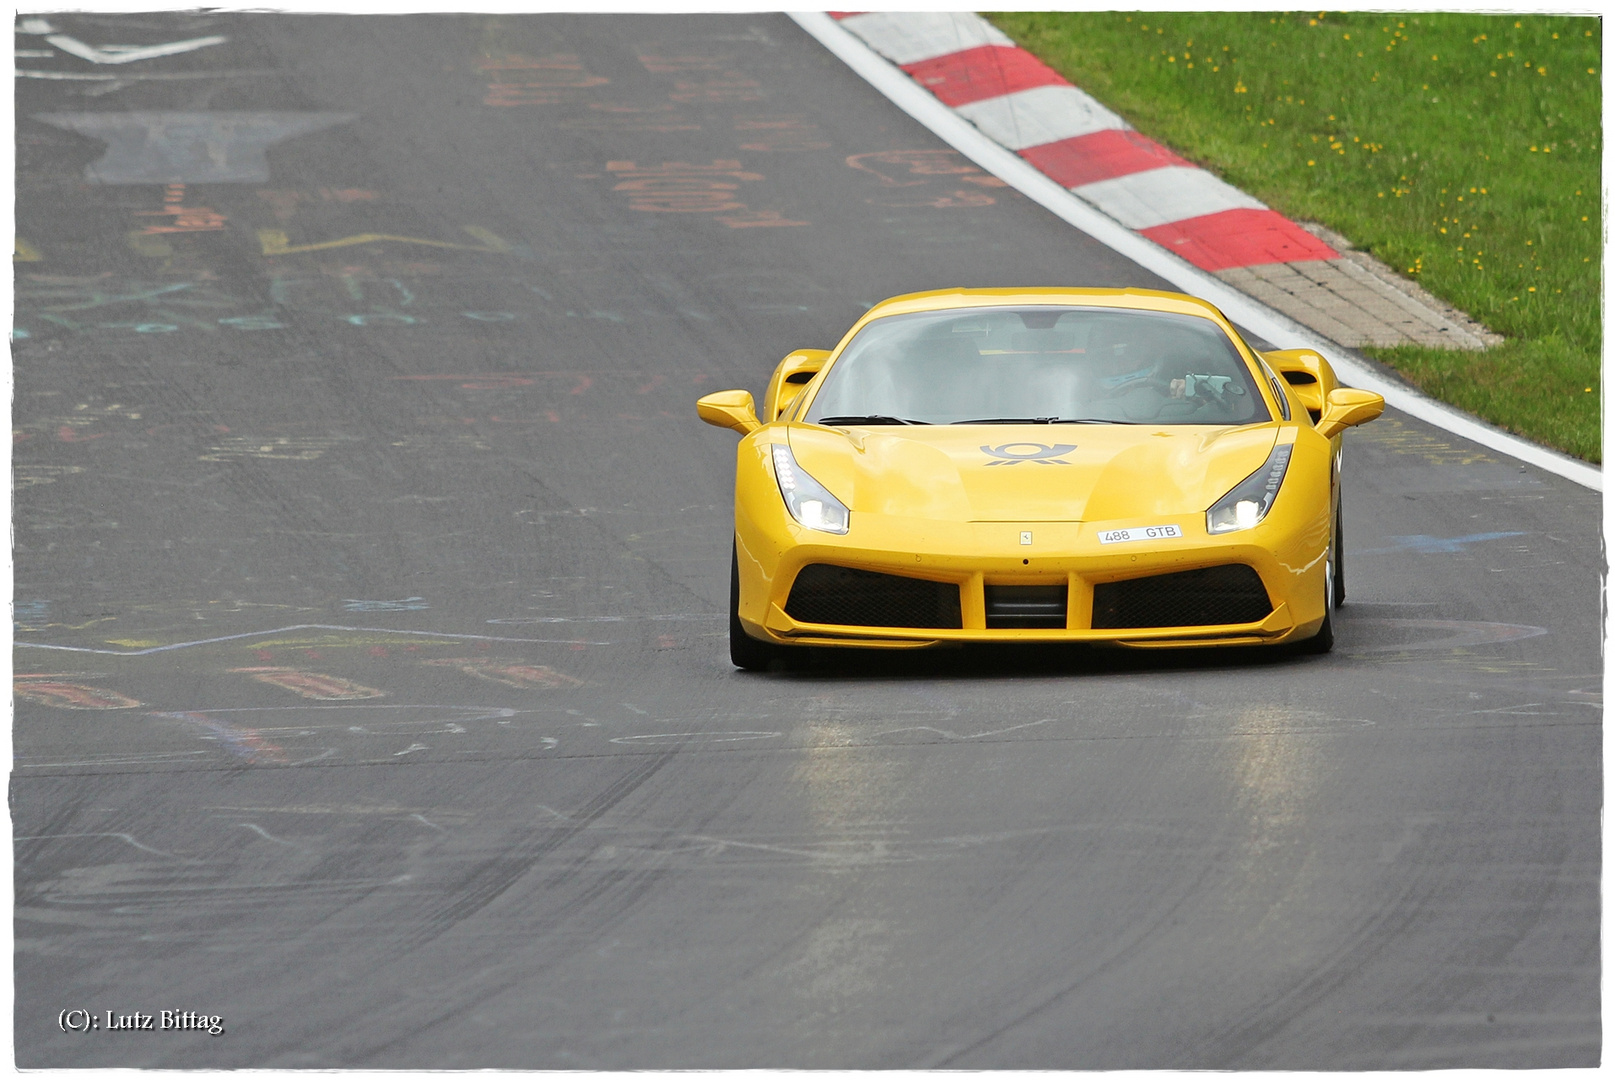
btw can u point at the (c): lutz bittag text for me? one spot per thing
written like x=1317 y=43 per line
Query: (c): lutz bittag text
x=84 y=1020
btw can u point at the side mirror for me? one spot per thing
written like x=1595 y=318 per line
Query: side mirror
x=731 y=409
x=1348 y=408
x=793 y=373
x=1309 y=375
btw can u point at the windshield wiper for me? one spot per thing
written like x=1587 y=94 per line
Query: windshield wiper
x=1043 y=420
x=839 y=421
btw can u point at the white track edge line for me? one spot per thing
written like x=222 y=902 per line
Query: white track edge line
x=1273 y=325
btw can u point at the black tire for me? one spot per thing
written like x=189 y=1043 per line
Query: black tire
x=745 y=651
x=1340 y=552
x=1324 y=640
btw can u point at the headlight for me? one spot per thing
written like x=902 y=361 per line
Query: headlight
x=1251 y=499
x=810 y=504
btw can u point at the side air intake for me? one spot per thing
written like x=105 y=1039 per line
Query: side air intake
x=1209 y=597
x=842 y=596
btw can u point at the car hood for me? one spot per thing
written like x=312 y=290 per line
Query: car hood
x=1054 y=472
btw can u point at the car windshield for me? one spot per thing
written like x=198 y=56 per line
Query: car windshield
x=1039 y=365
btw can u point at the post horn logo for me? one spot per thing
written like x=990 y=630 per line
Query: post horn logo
x=1016 y=452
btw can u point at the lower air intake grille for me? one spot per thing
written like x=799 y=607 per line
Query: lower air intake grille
x=1026 y=607
x=838 y=595
x=1217 y=594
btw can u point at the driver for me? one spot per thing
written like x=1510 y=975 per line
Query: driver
x=1125 y=355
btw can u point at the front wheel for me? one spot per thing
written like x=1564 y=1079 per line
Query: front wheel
x=745 y=651
x=1339 y=596
x=1324 y=640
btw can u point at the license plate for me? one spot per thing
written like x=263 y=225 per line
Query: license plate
x=1140 y=532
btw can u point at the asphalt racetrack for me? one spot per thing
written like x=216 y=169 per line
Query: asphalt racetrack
x=371 y=570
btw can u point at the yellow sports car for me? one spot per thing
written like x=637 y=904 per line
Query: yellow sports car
x=1111 y=466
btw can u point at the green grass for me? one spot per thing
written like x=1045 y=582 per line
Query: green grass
x=1463 y=150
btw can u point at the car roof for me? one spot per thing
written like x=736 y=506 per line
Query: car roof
x=1139 y=299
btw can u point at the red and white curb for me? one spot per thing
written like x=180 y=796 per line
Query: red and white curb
x=1024 y=105
x=1011 y=114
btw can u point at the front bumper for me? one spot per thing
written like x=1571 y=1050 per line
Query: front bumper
x=1286 y=551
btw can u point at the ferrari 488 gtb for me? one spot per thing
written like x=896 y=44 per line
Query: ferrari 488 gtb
x=1038 y=465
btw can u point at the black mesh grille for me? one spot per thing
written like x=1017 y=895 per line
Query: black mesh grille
x=1217 y=594
x=838 y=595
x=1026 y=607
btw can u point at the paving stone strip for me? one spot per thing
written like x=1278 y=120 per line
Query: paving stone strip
x=1313 y=275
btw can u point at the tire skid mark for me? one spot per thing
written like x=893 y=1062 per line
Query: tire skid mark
x=491 y=880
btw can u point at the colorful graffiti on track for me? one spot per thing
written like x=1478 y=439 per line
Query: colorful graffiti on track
x=516 y=673
x=311 y=684
x=50 y=690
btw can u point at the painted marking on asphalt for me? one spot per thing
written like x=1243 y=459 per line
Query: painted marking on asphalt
x=699 y=737
x=128 y=54
x=266 y=835
x=186 y=219
x=277 y=448
x=45 y=690
x=516 y=673
x=188 y=147
x=301 y=626
x=311 y=684
x=954 y=735
x=546 y=80
x=246 y=743
x=917 y=168
x=412 y=603
x=277 y=242
x=779 y=134
x=124 y=78
x=680 y=187
x=125 y=837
